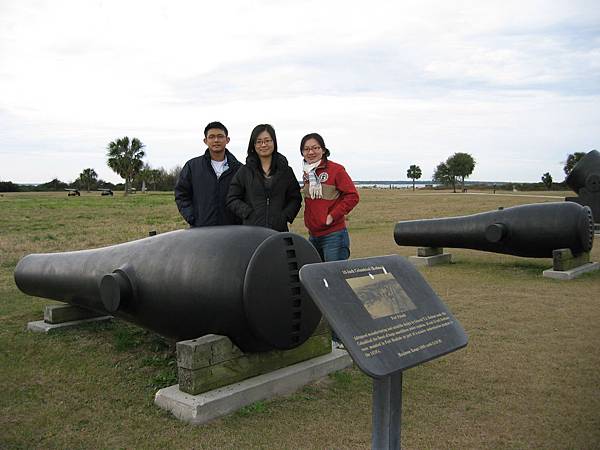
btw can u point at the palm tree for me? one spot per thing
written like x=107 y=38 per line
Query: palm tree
x=414 y=173
x=87 y=177
x=125 y=158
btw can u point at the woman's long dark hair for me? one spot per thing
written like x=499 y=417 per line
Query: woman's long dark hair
x=318 y=138
x=252 y=155
x=254 y=136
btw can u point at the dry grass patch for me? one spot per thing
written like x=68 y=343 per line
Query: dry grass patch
x=529 y=377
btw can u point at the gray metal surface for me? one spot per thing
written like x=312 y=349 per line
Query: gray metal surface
x=188 y=283
x=387 y=412
x=533 y=230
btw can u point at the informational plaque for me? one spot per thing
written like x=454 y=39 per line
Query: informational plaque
x=383 y=310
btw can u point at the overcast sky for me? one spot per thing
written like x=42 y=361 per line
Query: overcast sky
x=387 y=83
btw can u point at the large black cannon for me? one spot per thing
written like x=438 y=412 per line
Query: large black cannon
x=237 y=281
x=533 y=230
x=584 y=179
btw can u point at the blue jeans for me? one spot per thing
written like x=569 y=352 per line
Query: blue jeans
x=332 y=247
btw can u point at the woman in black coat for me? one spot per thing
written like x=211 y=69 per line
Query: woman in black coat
x=265 y=192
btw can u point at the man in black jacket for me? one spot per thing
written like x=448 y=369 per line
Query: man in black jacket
x=203 y=183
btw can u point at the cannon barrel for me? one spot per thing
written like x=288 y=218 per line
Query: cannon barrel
x=237 y=281
x=586 y=173
x=533 y=230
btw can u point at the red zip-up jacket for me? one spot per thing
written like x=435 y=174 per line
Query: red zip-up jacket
x=339 y=197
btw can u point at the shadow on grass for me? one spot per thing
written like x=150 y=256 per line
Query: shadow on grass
x=525 y=267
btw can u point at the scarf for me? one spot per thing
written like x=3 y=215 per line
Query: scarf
x=314 y=188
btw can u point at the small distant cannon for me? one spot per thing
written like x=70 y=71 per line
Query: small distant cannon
x=105 y=192
x=584 y=179
x=238 y=281
x=533 y=230
x=73 y=192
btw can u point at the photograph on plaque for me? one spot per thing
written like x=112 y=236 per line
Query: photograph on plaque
x=381 y=294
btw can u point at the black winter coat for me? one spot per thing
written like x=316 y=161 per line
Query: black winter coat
x=258 y=205
x=200 y=196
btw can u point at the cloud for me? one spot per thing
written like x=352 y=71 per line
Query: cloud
x=389 y=84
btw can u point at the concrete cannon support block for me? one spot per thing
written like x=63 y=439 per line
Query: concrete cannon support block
x=430 y=256
x=571 y=273
x=566 y=265
x=65 y=316
x=198 y=409
x=213 y=361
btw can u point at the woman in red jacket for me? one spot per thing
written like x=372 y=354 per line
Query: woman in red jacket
x=329 y=195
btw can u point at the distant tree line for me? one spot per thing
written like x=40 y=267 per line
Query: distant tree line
x=460 y=166
x=156 y=180
x=511 y=186
x=58 y=185
x=125 y=158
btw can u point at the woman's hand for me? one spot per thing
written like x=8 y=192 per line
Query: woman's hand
x=329 y=219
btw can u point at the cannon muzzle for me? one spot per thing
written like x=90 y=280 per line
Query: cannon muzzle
x=237 y=281
x=533 y=230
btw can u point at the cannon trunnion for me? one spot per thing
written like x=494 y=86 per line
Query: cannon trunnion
x=237 y=281
x=533 y=230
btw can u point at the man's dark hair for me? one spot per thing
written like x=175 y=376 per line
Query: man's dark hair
x=218 y=126
x=318 y=138
x=254 y=136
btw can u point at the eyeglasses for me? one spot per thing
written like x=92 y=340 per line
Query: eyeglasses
x=314 y=148
x=260 y=142
x=214 y=137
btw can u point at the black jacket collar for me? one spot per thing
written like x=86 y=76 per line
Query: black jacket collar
x=231 y=159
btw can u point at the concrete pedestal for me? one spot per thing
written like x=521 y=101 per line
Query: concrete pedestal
x=64 y=316
x=430 y=256
x=571 y=273
x=198 y=409
x=566 y=265
x=213 y=361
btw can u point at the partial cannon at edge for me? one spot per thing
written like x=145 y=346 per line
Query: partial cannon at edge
x=237 y=281
x=586 y=173
x=533 y=230
x=584 y=179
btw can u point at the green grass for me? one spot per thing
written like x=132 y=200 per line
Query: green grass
x=529 y=377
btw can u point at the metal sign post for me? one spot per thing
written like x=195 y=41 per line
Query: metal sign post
x=387 y=412
x=389 y=320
